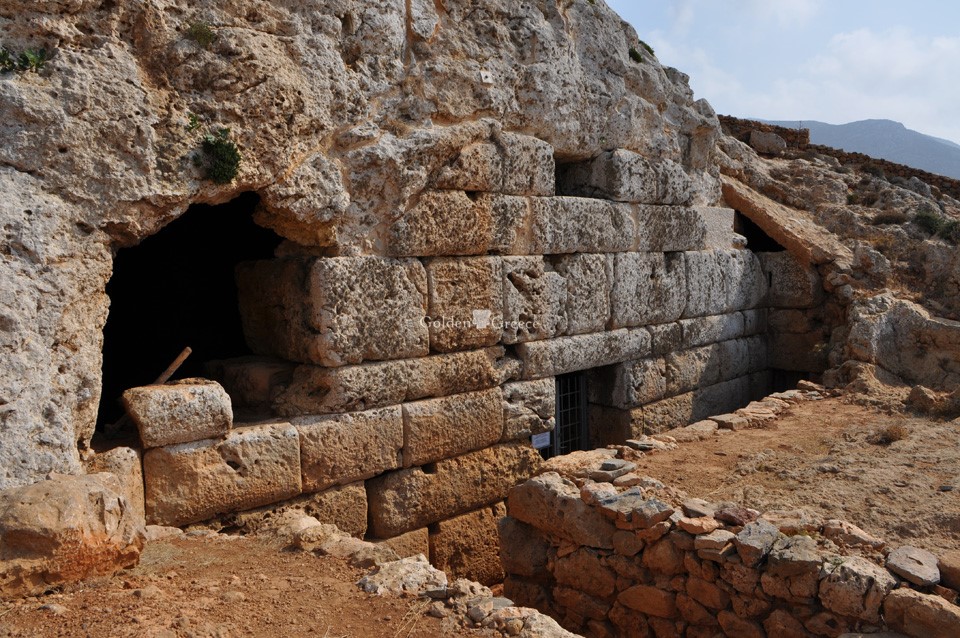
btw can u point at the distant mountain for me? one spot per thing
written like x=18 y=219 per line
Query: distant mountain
x=887 y=140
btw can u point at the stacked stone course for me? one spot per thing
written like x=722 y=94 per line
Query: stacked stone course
x=419 y=373
x=636 y=558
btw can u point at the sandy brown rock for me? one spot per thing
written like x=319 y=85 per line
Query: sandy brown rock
x=436 y=429
x=181 y=412
x=65 y=529
x=466 y=546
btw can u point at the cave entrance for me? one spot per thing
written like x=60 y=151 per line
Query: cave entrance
x=757 y=240
x=177 y=289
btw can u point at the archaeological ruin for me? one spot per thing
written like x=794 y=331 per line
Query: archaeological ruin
x=463 y=240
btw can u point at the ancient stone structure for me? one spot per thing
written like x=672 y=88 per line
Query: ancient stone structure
x=607 y=556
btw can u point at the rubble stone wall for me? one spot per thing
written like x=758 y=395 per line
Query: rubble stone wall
x=618 y=560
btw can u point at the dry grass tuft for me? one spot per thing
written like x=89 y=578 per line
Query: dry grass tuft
x=889 y=434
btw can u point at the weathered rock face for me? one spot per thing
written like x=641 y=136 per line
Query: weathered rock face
x=346 y=114
x=65 y=529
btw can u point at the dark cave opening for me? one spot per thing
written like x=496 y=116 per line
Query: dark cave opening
x=177 y=289
x=757 y=240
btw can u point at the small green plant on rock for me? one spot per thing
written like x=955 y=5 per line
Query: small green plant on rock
x=929 y=220
x=222 y=156
x=202 y=33
x=8 y=63
x=33 y=60
x=647 y=47
x=635 y=55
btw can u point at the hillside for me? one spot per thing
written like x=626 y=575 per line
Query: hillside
x=887 y=140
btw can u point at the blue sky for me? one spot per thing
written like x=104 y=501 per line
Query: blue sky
x=831 y=60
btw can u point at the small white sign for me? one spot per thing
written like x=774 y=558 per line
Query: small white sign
x=486 y=76
x=541 y=440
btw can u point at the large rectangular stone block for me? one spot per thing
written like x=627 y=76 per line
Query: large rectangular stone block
x=702 y=331
x=334 y=310
x=252 y=382
x=343 y=505
x=588 y=281
x=529 y=407
x=722 y=281
x=443 y=223
x=687 y=408
x=648 y=288
x=631 y=384
x=252 y=466
x=741 y=357
x=563 y=225
x=693 y=368
x=665 y=338
x=435 y=429
x=465 y=302
x=316 y=390
x=666 y=229
x=345 y=448
x=719 y=223
x=468 y=546
x=534 y=300
x=515 y=164
x=582 y=352
x=179 y=412
x=407 y=499
x=792 y=283
x=625 y=176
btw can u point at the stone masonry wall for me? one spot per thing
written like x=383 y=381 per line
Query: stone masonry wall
x=607 y=552
x=421 y=373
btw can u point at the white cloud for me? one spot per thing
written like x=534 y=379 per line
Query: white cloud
x=786 y=13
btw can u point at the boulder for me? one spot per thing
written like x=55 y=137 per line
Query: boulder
x=921 y=615
x=411 y=576
x=65 y=529
x=856 y=587
x=914 y=564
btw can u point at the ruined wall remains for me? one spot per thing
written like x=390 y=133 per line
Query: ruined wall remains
x=608 y=552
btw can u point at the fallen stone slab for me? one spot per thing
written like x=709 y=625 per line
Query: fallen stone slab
x=412 y=576
x=717 y=539
x=914 y=564
x=179 y=412
x=63 y=530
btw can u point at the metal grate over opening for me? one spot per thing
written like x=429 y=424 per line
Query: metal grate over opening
x=570 y=433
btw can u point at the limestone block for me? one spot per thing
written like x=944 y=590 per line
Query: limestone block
x=793 y=568
x=719 y=222
x=415 y=497
x=582 y=352
x=767 y=142
x=791 y=321
x=367 y=308
x=792 y=284
x=665 y=338
x=631 y=384
x=702 y=331
x=252 y=381
x=410 y=544
x=856 y=588
x=516 y=164
x=529 y=407
x=179 y=412
x=667 y=229
x=921 y=615
x=467 y=546
x=722 y=281
x=511 y=232
x=754 y=321
x=272 y=311
x=625 y=176
x=435 y=429
x=649 y=600
x=648 y=288
x=740 y=357
x=552 y=504
x=345 y=448
x=316 y=390
x=251 y=467
x=586 y=571
x=683 y=409
x=65 y=529
x=534 y=300
x=442 y=223
x=588 y=281
x=563 y=225
x=694 y=368
x=523 y=550
x=529 y=167
x=465 y=302
x=126 y=464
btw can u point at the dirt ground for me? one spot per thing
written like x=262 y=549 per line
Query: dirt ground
x=829 y=457
x=224 y=587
